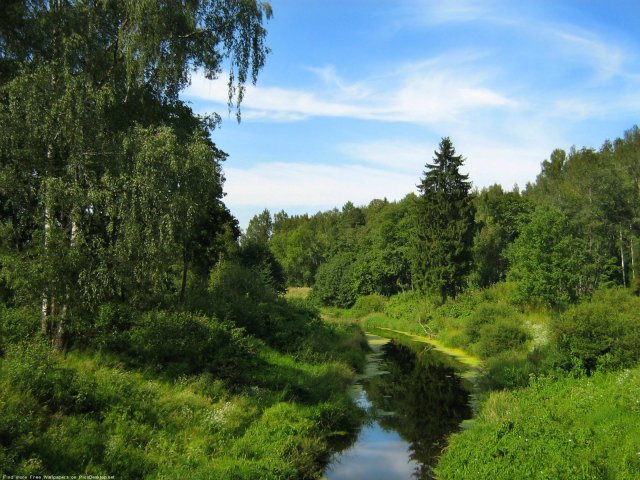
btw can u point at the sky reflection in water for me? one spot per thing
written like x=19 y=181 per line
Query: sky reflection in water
x=414 y=401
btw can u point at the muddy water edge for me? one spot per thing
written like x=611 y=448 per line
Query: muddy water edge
x=414 y=397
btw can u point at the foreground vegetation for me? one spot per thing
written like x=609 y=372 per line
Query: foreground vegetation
x=188 y=397
x=558 y=427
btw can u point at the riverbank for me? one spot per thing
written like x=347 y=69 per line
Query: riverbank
x=559 y=401
x=460 y=355
x=265 y=413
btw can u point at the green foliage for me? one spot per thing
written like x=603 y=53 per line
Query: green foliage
x=410 y=306
x=549 y=263
x=499 y=218
x=597 y=191
x=33 y=369
x=17 y=325
x=441 y=252
x=334 y=282
x=375 y=236
x=558 y=428
x=601 y=333
x=368 y=304
x=486 y=313
x=492 y=328
x=499 y=336
x=183 y=343
x=259 y=229
x=258 y=257
x=110 y=186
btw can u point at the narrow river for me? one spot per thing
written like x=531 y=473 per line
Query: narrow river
x=413 y=399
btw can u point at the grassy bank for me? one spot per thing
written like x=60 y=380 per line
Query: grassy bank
x=274 y=414
x=578 y=428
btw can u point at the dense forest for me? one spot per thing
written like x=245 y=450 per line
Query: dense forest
x=143 y=335
x=574 y=230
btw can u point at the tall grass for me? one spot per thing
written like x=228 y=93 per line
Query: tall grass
x=98 y=412
x=563 y=427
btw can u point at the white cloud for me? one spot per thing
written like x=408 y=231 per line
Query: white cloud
x=605 y=58
x=278 y=185
x=488 y=161
x=443 y=89
x=401 y=155
x=450 y=11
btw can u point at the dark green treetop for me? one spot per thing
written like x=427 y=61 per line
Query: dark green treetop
x=441 y=256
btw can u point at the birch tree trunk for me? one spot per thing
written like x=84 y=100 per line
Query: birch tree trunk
x=47 y=303
x=622 y=262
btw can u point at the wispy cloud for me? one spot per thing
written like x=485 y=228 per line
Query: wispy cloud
x=279 y=185
x=578 y=46
x=399 y=155
x=607 y=57
x=451 y=11
x=427 y=92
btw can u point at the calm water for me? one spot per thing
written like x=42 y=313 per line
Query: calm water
x=413 y=401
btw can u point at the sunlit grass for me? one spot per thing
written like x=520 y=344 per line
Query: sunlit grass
x=87 y=412
x=297 y=292
x=557 y=428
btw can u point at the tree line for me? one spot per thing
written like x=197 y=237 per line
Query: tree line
x=569 y=232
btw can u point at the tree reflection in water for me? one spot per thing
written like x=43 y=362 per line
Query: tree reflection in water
x=420 y=398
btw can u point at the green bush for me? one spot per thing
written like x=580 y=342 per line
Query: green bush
x=373 y=303
x=486 y=314
x=184 y=343
x=603 y=332
x=335 y=282
x=17 y=325
x=502 y=335
x=33 y=368
x=507 y=370
x=111 y=320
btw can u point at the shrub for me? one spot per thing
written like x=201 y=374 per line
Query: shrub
x=231 y=282
x=335 y=283
x=484 y=314
x=110 y=321
x=601 y=331
x=33 y=368
x=17 y=325
x=184 y=343
x=373 y=303
x=507 y=370
x=238 y=294
x=502 y=335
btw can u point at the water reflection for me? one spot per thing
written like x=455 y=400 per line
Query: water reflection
x=414 y=401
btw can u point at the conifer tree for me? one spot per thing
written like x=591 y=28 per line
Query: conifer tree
x=444 y=225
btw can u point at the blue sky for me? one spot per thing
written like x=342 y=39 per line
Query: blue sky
x=356 y=95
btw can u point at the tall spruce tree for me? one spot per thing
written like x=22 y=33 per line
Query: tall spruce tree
x=444 y=225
